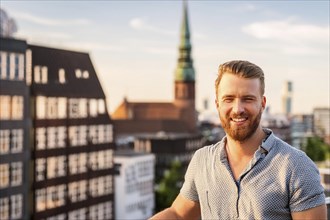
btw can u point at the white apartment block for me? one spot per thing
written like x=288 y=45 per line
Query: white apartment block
x=134 y=185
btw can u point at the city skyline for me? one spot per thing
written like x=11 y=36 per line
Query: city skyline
x=134 y=44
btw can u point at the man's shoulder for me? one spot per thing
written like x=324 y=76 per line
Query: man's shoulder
x=209 y=150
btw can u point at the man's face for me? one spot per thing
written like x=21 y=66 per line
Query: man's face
x=240 y=106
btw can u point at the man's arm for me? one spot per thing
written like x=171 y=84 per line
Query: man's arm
x=316 y=213
x=181 y=208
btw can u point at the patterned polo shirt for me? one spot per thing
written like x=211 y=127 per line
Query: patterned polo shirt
x=278 y=180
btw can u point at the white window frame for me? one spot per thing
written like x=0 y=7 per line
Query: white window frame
x=4 y=208
x=4 y=141
x=5 y=107
x=4 y=175
x=16 y=206
x=17 y=140
x=16 y=173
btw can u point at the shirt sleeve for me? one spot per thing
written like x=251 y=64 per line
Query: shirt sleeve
x=306 y=190
x=189 y=190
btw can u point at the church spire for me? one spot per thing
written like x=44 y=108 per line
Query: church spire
x=185 y=70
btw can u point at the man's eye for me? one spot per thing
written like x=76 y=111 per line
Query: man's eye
x=227 y=100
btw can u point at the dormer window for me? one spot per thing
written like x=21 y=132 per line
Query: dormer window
x=61 y=76
x=78 y=73
x=82 y=74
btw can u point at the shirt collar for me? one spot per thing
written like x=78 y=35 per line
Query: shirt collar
x=265 y=147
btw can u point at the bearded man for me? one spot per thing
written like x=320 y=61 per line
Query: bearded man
x=250 y=173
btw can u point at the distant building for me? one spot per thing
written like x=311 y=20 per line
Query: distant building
x=73 y=143
x=278 y=123
x=287 y=98
x=134 y=191
x=322 y=123
x=169 y=147
x=177 y=116
x=301 y=129
x=167 y=129
x=15 y=125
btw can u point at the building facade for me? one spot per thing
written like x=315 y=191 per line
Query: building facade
x=134 y=196
x=73 y=137
x=15 y=125
x=322 y=123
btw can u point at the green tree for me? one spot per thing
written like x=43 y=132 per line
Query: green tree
x=169 y=186
x=316 y=149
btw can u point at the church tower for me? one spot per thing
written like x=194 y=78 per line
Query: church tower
x=184 y=85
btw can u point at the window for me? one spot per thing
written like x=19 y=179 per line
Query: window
x=82 y=108
x=41 y=107
x=4 y=208
x=16 y=173
x=61 y=104
x=51 y=167
x=73 y=163
x=17 y=107
x=82 y=135
x=37 y=74
x=51 y=137
x=73 y=135
x=73 y=191
x=51 y=197
x=40 y=169
x=16 y=206
x=93 y=107
x=41 y=138
x=85 y=74
x=108 y=134
x=78 y=135
x=77 y=214
x=4 y=175
x=44 y=74
x=101 y=106
x=108 y=185
x=78 y=73
x=17 y=140
x=12 y=65
x=61 y=136
x=82 y=163
x=93 y=134
x=5 y=107
x=56 y=166
x=40 y=74
x=61 y=76
x=78 y=163
x=28 y=65
x=101 y=135
x=93 y=160
x=40 y=200
x=4 y=141
x=52 y=107
x=93 y=187
x=3 y=62
x=55 y=196
x=73 y=108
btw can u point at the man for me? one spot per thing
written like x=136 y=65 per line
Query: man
x=250 y=173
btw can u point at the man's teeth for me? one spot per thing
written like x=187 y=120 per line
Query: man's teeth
x=238 y=119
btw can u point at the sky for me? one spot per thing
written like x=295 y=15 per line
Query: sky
x=134 y=44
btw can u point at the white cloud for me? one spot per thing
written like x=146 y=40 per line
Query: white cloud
x=142 y=25
x=288 y=31
x=47 y=21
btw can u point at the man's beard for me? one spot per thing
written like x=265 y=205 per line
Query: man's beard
x=241 y=133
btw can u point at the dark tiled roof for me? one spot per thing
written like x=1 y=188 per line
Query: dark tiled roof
x=56 y=59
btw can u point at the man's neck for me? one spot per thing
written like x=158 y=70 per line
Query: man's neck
x=247 y=148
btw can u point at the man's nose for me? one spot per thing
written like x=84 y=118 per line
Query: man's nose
x=238 y=107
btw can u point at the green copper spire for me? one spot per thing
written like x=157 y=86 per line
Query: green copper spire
x=185 y=70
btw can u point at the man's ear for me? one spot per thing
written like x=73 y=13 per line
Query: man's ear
x=216 y=103
x=263 y=102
